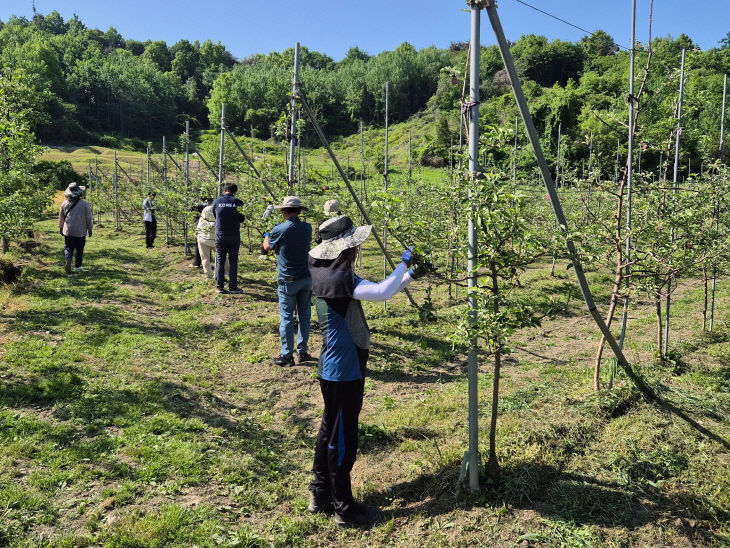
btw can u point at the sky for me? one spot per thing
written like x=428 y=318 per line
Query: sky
x=247 y=27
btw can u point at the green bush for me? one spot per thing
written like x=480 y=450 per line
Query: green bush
x=59 y=174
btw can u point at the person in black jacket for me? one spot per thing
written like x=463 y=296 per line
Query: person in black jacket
x=227 y=238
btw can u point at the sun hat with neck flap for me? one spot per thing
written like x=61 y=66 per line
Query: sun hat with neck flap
x=74 y=190
x=339 y=234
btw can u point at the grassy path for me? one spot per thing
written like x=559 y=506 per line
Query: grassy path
x=139 y=408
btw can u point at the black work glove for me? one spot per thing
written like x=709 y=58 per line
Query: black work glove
x=89 y=233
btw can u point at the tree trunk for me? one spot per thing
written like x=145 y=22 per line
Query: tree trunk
x=618 y=278
x=4 y=244
x=659 y=338
x=493 y=468
x=704 y=310
x=618 y=273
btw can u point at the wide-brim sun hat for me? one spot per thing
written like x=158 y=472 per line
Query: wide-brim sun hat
x=74 y=190
x=291 y=202
x=339 y=234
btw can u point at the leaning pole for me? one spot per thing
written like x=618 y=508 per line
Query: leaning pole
x=509 y=65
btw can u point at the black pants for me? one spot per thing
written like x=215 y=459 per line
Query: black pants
x=74 y=243
x=226 y=248
x=337 y=440
x=150 y=231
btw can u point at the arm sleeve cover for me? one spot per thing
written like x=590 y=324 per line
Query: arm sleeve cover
x=371 y=291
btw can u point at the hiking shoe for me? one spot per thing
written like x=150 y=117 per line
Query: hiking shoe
x=320 y=505
x=221 y=290
x=359 y=515
x=235 y=291
x=68 y=266
x=283 y=361
x=305 y=357
x=79 y=268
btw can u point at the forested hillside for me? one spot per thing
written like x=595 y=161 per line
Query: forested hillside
x=91 y=86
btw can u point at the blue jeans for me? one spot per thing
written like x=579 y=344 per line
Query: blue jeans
x=294 y=295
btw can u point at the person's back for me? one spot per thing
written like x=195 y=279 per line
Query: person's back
x=75 y=220
x=227 y=217
x=75 y=217
x=291 y=240
x=205 y=228
x=227 y=237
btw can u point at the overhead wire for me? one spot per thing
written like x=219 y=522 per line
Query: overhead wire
x=560 y=19
x=590 y=33
x=667 y=71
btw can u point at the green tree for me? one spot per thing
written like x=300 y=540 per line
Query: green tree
x=507 y=245
x=598 y=44
x=158 y=53
x=22 y=199
x=185 y=60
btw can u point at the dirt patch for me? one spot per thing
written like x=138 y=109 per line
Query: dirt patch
x=9 y=273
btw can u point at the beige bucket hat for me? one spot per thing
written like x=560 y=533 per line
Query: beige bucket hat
x=331 y=208
x=291 y=202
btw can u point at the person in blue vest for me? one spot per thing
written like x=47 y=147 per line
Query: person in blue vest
x=342 y=363
x=227 y=238
x=291 y=241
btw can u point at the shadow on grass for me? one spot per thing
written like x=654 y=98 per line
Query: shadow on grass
x=99 y=322
x=63 y=390
x=669 y=407
x=555 y=297
x=555 y=494
x=547 y=359
x=98 y=281
x=438 y=356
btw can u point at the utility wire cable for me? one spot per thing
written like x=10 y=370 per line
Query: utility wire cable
x=591 y=33
x=561 y=20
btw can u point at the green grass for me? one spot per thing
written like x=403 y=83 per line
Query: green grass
x=139 y=408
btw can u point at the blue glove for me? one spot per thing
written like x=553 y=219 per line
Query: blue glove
x=407 y=256
x=266 y=234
